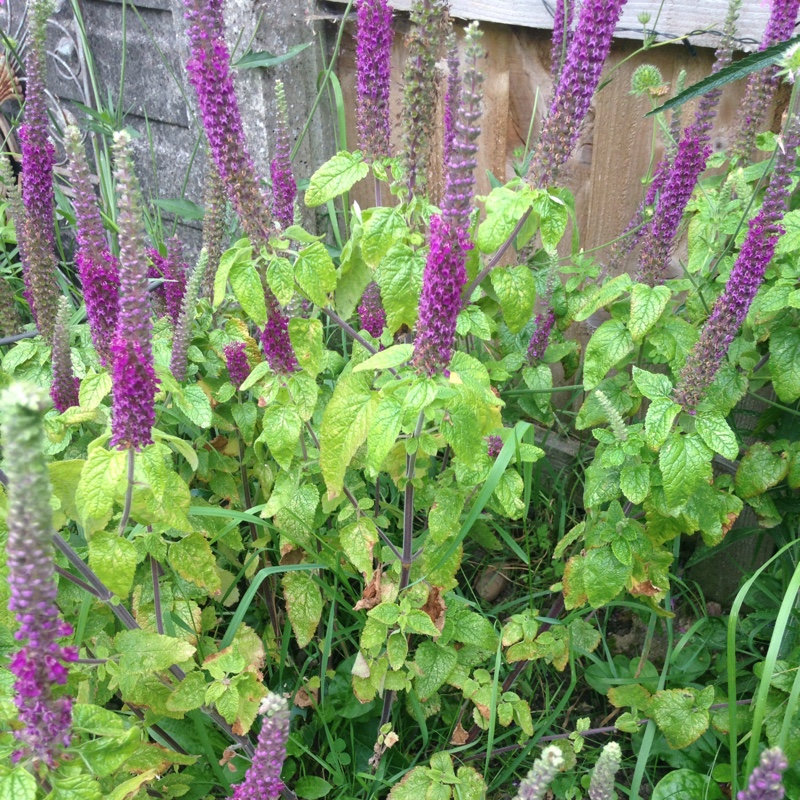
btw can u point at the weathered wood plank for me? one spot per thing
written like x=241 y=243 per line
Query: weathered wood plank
x=677 y=17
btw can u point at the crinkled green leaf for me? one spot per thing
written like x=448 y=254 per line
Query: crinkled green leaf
x=399 y=277
x=238 y=254
x=604 y=576
x=504 y=208
x=193 y=559
x=280 y=277
x=282 y=426
x=18 y=784
x=647 y=305
x=784 y=362
x=516 y=291
x=603 y=296
x=384 y=430
x=651 y=384
x=306 y=338
x=384 y=228
x=142 y=651
x=444 y=518
x=392 y=356
x=685 y=464
x=358 y=540
x=94 y=387
x=310 y=787
x=610 y=343
x=303 y=604
x=336 y=176
x=113 y=558
x=95 y=494
x=679 y=716
x=194 y=402
x=246 y=285
x=717 y=434
x=685 y=784
x=658 y=421
x=760 y=469
x=435 y=663
x=315 y=273
x=634 y=482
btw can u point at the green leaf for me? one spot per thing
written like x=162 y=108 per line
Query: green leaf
x=397 y=650
x=335 y=176
x=303 y=604
x=64 y=478
x=358 y=541
x=435 y=663
x=345 y=425
x=504 y=208
x=252 y=59
x=306 y=338
x=603 y=296
x=280 y=278
x=384 y=430
x=685 y=464
x=685 y=784
x=245 y=415
x=733 y=72
x=129 y=788
x=354 y=276
x=553 y=218
x=94 y=387
x=194 y=402
x=417 y=621
x=281 y=431
x=180 y=207
x=444 y=518
x=399 y=277
x=315 y=273
x=304 y=393
x=384 y=228
x=193 y=559
x=634 y=482
x=678 y=716
x=647 y=305
x=113 y=558
x=246 y=285
x=652 y=385
x=759 y=470
x=104 y=756
x=18 y=784
x=516 y=291
x=610 y=343
x=604 y=575
x=103 y=468
x=142 y=651
x=717 y=434
x=181 y=445
x=508 y=494
x=658 y=421
x=784 y=362
x=189 y=694
x=75 y=787
x=392 y=356
x=237 y=254
x=310 y=787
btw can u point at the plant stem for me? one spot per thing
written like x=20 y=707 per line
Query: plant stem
x=126 y=511
x=155 y=571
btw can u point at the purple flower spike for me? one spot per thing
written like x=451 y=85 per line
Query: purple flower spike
x=373 y=317
x=562 y=35
x=761 y=85
x=133 y=411
x=44 y=713
x=541 y=336
x=452 y=98
x=766 y=780
x=210 y=74
x=732 y=305
x=604 y=772
x=445 y=273
x=38 y=157
x=97 y=268
x=690 y=162
x=284 y=187
x=263 y=778
x=214 y=227
x=64 y=389
x=237 y=363
x=588 y=50
x=182 y=337
x=495 y=445
x=373 y=65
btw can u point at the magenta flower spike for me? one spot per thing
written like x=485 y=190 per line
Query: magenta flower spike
x=210 y=74
x=237 y=363
x=690 y=162
x=541 y=335
x=766 y=780
x=263 y=779
x=732 y=305
x=45 y=713
x=38 y=157
x=284 y=187
x=97 y=268
x=562 y=35
x=761 y=85
x=452 y=98
x=588 y=50
x=370 y=311
x=173 y=269
x=133 y=411
x=494 y=445
x=373 y=71
x=64 y=388
x=445 y=272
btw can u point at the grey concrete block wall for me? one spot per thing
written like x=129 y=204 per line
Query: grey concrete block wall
x=157 y=99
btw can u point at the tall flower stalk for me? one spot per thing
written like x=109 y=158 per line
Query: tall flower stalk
x=430 y=21
x=445 y=274
x=284 y=187
x=588 y=50
x=761 y=85
x=562 y=35
x=263 y=779
x=45 y=713
x=214 y=228
x=38 y=155
x=183 y=328
x=97 y=268
x=172 y=268
x=64 y=388
x=690 y=162
x=766 y=780
x=210 y=74
x=373 y=71
x=731 y=307
x=134 y=382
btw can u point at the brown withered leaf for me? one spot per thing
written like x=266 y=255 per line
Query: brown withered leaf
x=460 y=735
x=219 y=443
x=291 y=555
x=435 y=607
x=306 y=699
x=645 y=588
x=372 y=593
